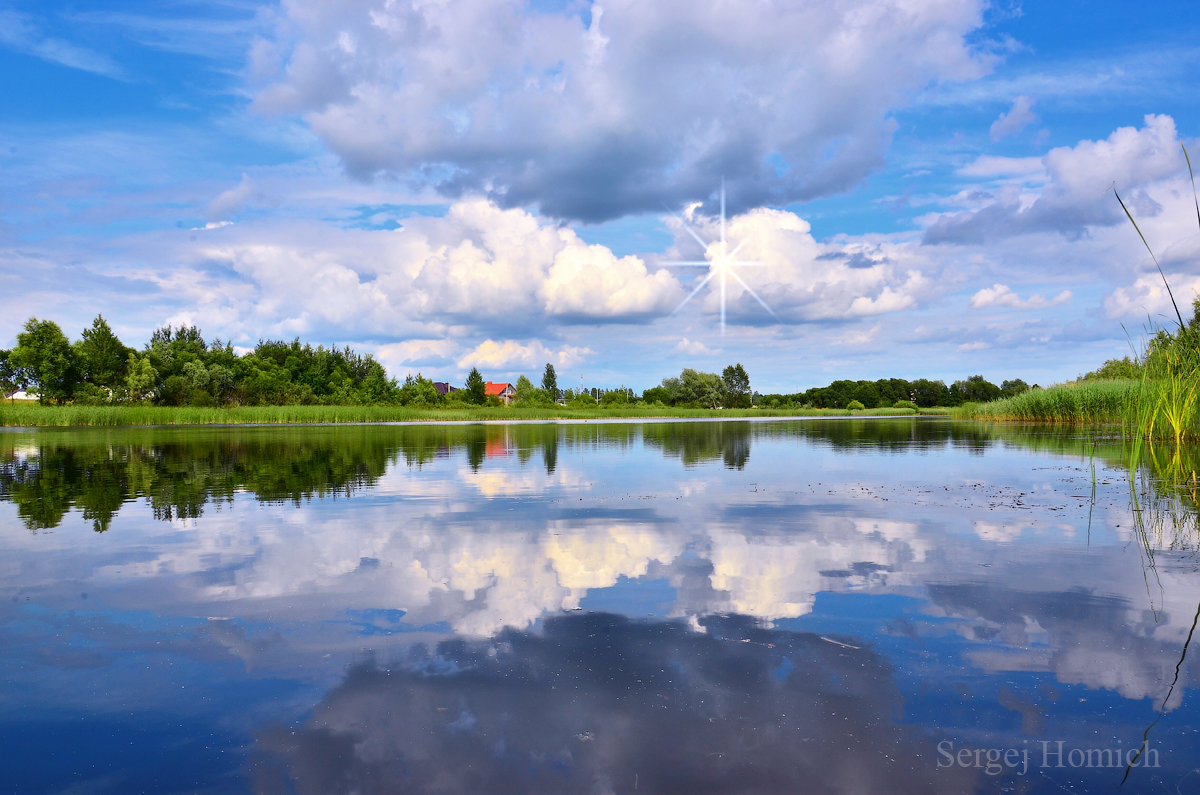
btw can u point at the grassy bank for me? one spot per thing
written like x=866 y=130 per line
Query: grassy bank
x=1162 y=408
x=33 y=415
x=1086 y=403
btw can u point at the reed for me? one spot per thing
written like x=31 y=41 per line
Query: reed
x=34 y=415
x=1084 y=403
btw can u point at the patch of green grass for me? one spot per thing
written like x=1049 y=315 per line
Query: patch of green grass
x=34 y=415
x=1082 y=403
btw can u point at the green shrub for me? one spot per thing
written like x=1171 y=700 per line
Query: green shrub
x=905 y=404
x=855 y=405
x=91 y=395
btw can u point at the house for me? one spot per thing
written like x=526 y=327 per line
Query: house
x=443 y=388
x=506 y=392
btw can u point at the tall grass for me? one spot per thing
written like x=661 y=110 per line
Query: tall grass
x=1086 y=403
x=34 y=415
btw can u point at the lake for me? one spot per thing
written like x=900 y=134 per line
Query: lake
x=838 y=605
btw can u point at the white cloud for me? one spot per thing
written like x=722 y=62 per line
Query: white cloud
x=231 y=202
x=692 y=347
x=1078 y=190
x=477 y=268
x=992 y=166
x=1018 y=117
x=800 y=279
x=1002 y=295
x=513 y=355
x=591 y=282
x=859 y=337
x=19 y=33
x=400 y=357
x=1147 y=299
x=597 y=113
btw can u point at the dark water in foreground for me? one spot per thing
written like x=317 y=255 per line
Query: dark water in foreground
x=812 y=606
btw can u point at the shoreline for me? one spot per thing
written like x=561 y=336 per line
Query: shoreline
x=33 y=417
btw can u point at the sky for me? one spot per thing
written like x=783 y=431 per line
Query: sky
x=896 y=188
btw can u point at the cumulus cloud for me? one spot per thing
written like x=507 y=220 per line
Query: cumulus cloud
x=1002 y=295
x=1017 y=118
x=1147 y=297
x=597 y=113
x=799 y=279
x=400 y=356
x=511 y=354
x=693 y=347
x=1078 y=189
x=478 y=268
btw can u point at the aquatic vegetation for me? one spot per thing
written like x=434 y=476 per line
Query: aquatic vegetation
x=32 y=415
x=1083 y=403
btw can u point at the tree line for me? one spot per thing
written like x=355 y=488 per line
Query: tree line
x=888 y=392
x=178 y=367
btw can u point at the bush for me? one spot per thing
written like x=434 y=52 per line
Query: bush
x=614 y=398
x=91 y=395
x=905 y=404
x=855 y=405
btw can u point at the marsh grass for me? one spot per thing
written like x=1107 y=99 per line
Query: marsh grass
x=1084 y=403
x=34 y=415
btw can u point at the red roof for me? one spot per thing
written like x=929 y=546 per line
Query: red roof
x=495 y=389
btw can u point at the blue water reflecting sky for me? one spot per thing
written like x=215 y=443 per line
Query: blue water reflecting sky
x=723 y=607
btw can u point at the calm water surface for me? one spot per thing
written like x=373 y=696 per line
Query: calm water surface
x=777 y=606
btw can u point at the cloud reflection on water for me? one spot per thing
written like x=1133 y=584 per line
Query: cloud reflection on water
x=600 y=703
x=302 y=550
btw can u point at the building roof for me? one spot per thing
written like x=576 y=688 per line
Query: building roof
x=495 y=389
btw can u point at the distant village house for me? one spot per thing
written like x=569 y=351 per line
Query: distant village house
x=506 y=392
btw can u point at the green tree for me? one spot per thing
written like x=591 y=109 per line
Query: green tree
x=657 y=394
x=550 y=382
x=529 y=395
x=142 y=378
x=1012 y=387
x=48 y=359
x=701 y=389
x=975 y=389
x=614 y=397
x=737 y=386
x=927 y=393
x=419 y=391
x=476 y=389
x=12 y=378
x=583 y=399
x=1124 y=368
x=101 y=355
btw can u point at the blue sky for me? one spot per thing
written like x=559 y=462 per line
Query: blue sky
x=918 y=189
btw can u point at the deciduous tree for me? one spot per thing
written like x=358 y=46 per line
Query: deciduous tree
x=12 y=378
x=48 y=359
x=737 y=386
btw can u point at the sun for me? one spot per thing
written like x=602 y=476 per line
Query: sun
x=722 y=264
